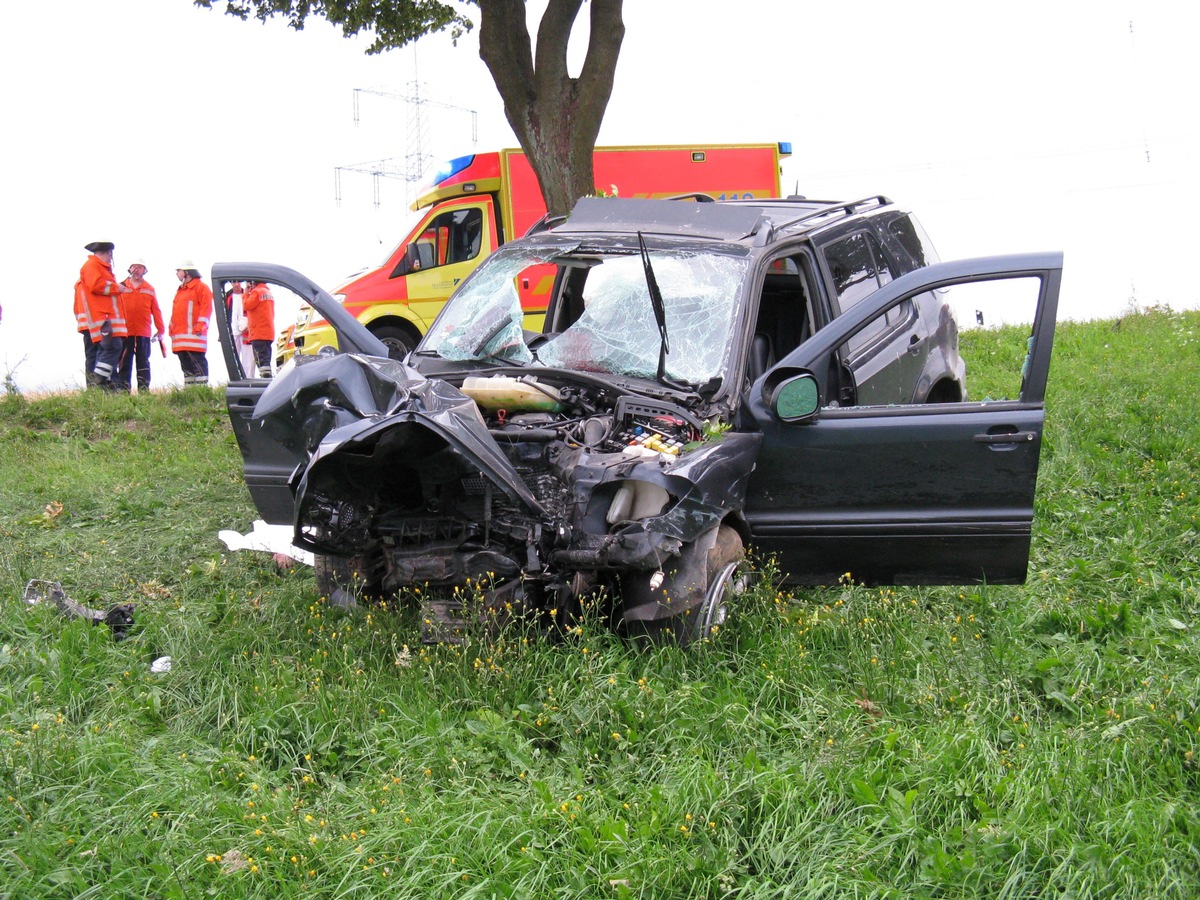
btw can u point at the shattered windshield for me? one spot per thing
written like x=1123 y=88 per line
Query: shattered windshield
x=605 y=306
x=485 y=320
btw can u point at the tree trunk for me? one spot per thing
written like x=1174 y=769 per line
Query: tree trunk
x=556 y=117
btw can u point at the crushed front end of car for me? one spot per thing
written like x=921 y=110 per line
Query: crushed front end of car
x=502 y=472
x=504 y=495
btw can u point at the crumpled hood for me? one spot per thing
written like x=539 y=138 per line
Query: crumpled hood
x=316 y=395
x=337 y=404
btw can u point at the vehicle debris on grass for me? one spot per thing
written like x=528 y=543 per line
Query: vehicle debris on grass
x=118 y=618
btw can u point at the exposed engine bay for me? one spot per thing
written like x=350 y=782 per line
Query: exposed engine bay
x=541 y=487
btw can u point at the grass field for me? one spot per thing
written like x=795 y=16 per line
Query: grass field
x=1008 y=742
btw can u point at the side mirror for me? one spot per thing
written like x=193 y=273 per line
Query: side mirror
x=794 y=399
x=412 y=258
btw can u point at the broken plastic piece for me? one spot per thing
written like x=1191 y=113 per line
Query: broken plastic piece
x=119 y=618
x=275 y=539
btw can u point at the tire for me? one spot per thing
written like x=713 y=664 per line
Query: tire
x=344 y=580
x=694 y=597
x=945 y=391
x=400 y=342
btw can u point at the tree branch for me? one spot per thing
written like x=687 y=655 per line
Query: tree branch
x=505 y=49
x=554 y=32
x=600 y=64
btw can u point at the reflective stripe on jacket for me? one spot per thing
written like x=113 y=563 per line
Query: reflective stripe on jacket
x=101 y=298
x=141 y=307
x=190 y=314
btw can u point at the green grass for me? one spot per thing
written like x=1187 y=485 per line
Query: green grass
x=1008 y=742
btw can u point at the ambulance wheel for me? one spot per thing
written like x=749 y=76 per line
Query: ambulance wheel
x=399 y=341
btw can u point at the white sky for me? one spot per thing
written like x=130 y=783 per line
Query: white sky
x=181 y=133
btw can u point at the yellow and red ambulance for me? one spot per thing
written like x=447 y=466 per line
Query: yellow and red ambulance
x=473 y=204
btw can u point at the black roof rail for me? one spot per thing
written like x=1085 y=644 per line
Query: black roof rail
x=697 y=196
x=764 y=231
x=845 y=209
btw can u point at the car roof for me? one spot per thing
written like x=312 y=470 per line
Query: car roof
x=723 y=220
x=715 y=221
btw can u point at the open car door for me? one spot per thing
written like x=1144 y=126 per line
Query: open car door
x=935 y=493
x=269 y=460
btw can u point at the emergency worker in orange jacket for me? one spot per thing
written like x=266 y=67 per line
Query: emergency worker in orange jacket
x=190 y=315
x=101 y=295
x=141 y=311
x=259 y=306
x=81 y=325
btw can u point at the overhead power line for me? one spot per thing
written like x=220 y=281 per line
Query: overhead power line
x=411 y=167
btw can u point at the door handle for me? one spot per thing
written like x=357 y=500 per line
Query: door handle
x=1007 y=437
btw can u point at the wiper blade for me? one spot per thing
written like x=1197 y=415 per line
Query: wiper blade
x=660 y=316
x=660 y=311
x=491 y=335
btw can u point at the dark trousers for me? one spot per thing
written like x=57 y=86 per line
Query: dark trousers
x=123 y=376
x=135 y=358
x=108 y=357
x=89 y=358
x=262 y=357
x=194 y=365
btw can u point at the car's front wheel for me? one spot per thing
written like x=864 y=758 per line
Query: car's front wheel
x=695 y=594
x=344 y=580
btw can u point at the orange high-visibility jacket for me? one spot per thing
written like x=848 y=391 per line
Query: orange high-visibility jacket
x=259 y=306
x=101 y=297
x=81 y=317
x=189 y=317
x=141 y=306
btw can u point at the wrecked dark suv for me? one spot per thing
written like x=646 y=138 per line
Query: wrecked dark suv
x=707 y=377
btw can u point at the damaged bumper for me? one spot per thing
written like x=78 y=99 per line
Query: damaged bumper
x=569 y=483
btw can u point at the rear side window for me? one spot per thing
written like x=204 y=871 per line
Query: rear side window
x=912 y=237
x=859 y=268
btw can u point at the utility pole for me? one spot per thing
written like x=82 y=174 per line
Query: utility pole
x=411 y=167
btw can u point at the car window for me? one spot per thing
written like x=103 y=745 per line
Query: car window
x=784 y=318
x=450 y=237
x=912 y=237
x=970 y=342
x=859 y=268
x=995 y=337
x=285 y=305
x=464 y=233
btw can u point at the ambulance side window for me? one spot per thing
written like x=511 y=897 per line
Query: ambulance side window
x=451 y=237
